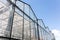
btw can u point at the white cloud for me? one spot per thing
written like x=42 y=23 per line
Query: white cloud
x=56 y=33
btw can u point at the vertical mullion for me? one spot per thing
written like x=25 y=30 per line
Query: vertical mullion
x=23 y=24
x=38 y=30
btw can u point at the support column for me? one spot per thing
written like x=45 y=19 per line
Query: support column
x=38 y=30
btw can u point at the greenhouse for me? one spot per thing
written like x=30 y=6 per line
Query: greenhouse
x=19 y=22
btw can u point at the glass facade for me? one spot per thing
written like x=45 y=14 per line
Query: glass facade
x=19 y=22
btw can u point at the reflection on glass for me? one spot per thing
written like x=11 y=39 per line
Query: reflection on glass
x=3 y=23
x=26 y=28
x=32 y=31
x=4 y=16
x=17 y=26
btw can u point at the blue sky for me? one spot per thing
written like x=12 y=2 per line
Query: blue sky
x=49 y=11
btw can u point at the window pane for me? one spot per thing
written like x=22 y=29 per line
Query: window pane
x=26 y=9
x=17 y=26
x=32 y=31
x=19 y=4
x=4 y=16
x=26 y=28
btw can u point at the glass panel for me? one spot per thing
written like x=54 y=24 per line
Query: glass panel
x=19 y=12
x=26 y=9
x=40 y=32
x=17 y=26
x=20 y=4
x=43 y=34
x=26 y=28
x=36 y=34
x=32 y=31
x=4 y=16
x=32 y=15
x=40 y=22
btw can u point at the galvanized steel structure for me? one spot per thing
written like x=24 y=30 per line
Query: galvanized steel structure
x=19 y=22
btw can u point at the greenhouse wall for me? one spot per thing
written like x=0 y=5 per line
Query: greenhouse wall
x=19 y=22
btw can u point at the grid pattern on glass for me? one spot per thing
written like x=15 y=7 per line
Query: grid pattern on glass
x=26 y=8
